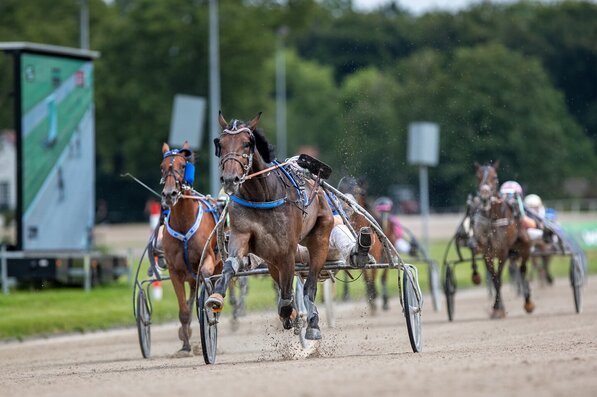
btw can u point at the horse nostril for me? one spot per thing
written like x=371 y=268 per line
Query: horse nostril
x=236 y=179
x=173 y=194
x=221 y=179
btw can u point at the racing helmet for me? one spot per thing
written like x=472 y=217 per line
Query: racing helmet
x=510 y=188
x=533 y=201
x=383 y=205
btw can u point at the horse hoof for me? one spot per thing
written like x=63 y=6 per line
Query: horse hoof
x=182 y=353
x=386 y=306
x=286 y=322
x=476 y=279
x=498 y=313
x=529 y=307
x=215 y=302
x=312 y=334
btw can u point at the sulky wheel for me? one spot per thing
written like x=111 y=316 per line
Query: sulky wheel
x=412 y=310
x=208 y=323
x=576 y=280
x=450 y=290
x=143 y=317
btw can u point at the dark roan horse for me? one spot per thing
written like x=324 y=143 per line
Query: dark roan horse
x=269 y=217
x=358 y=189
x=188 y=227
x=498 y=234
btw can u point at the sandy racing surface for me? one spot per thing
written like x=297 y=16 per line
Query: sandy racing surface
x=552 y=352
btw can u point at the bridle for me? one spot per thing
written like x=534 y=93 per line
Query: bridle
x=181 y=179
x=246 y=166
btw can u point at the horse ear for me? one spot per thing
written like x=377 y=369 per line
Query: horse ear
x=222 y=121
x=185 y=145
x=165 y=148
x=218 y=147
x=253 y=123
x=496 y=164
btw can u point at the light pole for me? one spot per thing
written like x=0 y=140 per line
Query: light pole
x=84 y=25
x=214 y=94
x=281 y=133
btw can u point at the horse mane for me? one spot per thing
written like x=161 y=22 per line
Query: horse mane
x=265 y=149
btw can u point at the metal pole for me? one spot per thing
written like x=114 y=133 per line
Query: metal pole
x=281 y=96
x=87 y=273
x=214 y=94
x=84 y=25
x=4 y=271
x=424 y=194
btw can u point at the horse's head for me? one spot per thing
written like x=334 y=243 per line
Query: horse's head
x=177 y=172
x=351 y=185
x=239 y=146
x=487 y=180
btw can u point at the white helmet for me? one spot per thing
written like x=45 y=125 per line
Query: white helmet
x=533 y=201
x=510 y=187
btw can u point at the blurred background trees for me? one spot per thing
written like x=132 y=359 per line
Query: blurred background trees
x=515 y=82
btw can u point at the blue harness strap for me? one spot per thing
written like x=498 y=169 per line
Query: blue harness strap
x=260 y=205
x=211 y=209
x=186 y=237
x=294 y=183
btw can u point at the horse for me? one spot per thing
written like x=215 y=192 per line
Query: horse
x=357 y=188
x=498 y=234
x=187 y=234
x=270 y=214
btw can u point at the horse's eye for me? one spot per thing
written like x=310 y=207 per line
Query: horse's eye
x=247 y=145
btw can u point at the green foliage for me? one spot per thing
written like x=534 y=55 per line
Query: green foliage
x=508 y=81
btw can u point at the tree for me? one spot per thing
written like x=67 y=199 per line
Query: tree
x=493 y=103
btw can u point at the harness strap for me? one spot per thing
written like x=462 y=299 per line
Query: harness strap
x=186 y=237
x=260 y=205
x=300 y=192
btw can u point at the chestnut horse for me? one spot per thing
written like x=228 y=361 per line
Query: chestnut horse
x=188 y=228
x=498 y=233
x=269 y=216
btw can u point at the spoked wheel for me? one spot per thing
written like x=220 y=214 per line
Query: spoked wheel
x=450 y=290
x=329 y=301
x=576 y=280
x=143 y=317
x=434 y=284
x=208 y=324
x=412 y=310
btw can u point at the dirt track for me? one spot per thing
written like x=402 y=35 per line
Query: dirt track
x=552 y=352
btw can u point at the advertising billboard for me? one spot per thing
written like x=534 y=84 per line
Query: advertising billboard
x=57 y=153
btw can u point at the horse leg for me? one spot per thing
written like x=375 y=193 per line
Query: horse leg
x=384 y=290
x=242 y=294
x=286 y=307
x=476 y=278
x=529 y=306
x=545 y=262
x=498 y=307
x=237 y=248
x=184 y=312
x=369 y=276
x=317 y=243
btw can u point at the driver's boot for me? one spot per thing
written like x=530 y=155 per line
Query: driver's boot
x=359 y=257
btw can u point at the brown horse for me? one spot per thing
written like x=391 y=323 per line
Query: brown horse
x=188 y=226
x=357 y=188
x=498 y=233
x=269 y=216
